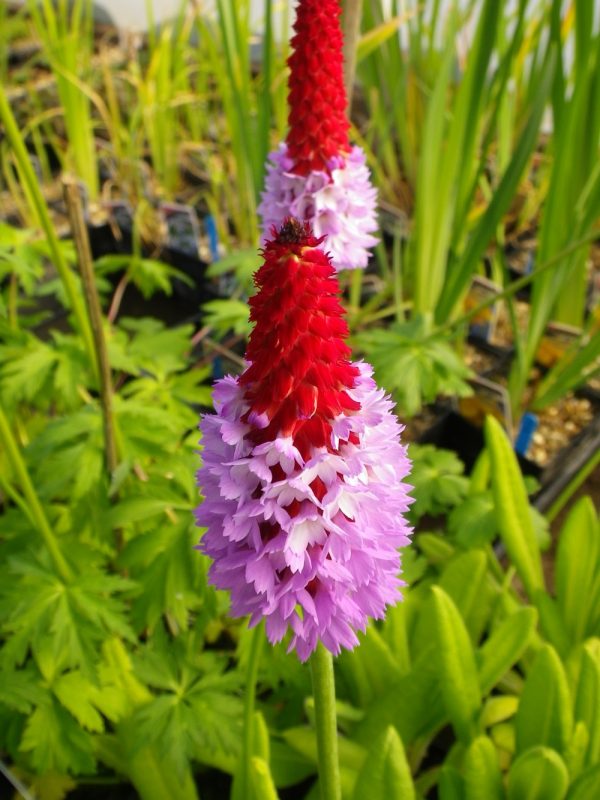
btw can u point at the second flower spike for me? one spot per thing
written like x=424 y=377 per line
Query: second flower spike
x=316 y=175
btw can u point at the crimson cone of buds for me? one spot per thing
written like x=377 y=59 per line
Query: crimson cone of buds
x=317 y=97
x=317 y=176
x=302 y=464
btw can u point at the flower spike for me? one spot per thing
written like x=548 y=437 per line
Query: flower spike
x=318 y=126
x=302 y=464
x=316 y=175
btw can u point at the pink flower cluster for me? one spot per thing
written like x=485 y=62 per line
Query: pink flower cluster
x=339 y=203
x=303 y=470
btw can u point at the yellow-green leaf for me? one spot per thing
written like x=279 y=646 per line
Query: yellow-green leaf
x=513 y=513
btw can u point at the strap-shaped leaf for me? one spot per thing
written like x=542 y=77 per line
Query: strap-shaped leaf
x=538 y=774
x=262 y=782
x=370 y=668
x=587 y=700
x=577 y=562
x=544 y=716
x=551 y=622
x=587 y=785
x=465 y=580
x=458 y=672
x=451 y=785
x=498 y=708
x=504 y=647
x=413 y=704
x=385 y=774
x=260 y=739
x=577 y=750
x=513 y=513
x=481 y=771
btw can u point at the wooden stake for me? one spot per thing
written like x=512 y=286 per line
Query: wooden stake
x=73 y=201
x=352 y=13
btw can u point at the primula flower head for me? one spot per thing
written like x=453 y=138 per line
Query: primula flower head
x=318 y=126
x=316 y=175
x=302 y=464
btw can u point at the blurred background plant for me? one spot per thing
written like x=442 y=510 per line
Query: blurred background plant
x=117 y=660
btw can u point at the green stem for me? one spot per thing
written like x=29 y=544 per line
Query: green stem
x=36 y=199
x=564 y=497
x=321 y=665
x=242 y=787
x=35 y=507
x=356 y=281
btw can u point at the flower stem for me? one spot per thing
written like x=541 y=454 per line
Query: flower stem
x=242 y=786
x=321 y=665
x=356 y=282
x=37 y=513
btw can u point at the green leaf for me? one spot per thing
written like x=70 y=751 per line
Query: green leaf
x=148 y=274
x=395 y=631
x=262 y=781
x=481 y=771
x=194 y=709
x=70 y=620
x=458 y=673
x=545 y=713
x=551 y=622
x=498 y=708
x=260 y=737
x=115 y=670
x=435 y=547
x=414 y=363
x=288 y=766
x=438 y=480
x=538 y=774
x=458 y=280
x=372 y=39
x=304 y=740
x=243 y=262
x=68 y=455
x=371 y=667
x=148 y=432
x=575 y=368
x=504 y=647
x=451 y=785
x=52 y=787
x=587 y=785
x=577 y=567
x=26 y=369
x=155 y=348
x=577 y=749
x=227 y=315
x=385 y=774
x=465 y=580
x=512 y=508
x=587 y=698
x=171 y=582
x=56 y=743
x=473 y=522
x=503 y=735
x=153 y=773
x=77 y=695
x=142 y=508
x=413 y=704
x=20 y=689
